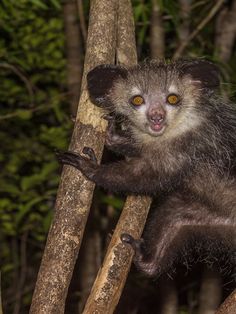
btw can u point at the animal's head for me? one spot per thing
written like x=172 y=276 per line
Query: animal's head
x=157 y=97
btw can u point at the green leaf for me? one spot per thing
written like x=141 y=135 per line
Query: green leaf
x=56 y=4
x=24 y=114
x=39 y=4
x=25 y=209
x=113 y=201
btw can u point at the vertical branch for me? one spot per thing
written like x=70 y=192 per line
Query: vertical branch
x=179 y=51
x=83 y=26
x=169 y=297
x=226 y=32
x=184 y=27
x=73 y=53
x=22 y=273
x=111 y=278
x=157 y=35
x=1 y=310
x=126 y=52
x=210 y=293
x=89 y=262
x=75 y=192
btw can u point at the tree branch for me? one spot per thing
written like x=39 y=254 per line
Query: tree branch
x=111 y=278
x=22 y=76
x=179 y=51
x=73 y=53
x=1 y=310
x=83 y=25
x=225 y=32
x=210 y=293
x=229 y=305
x=184 y=27
x=157 y=35
x=75 y=192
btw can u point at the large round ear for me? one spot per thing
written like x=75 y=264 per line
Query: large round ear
x=100 y=81
x=202 y=72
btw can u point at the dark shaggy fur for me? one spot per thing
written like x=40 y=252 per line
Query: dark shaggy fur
x=184 y=151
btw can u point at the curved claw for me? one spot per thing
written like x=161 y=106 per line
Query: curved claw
x=69 y=158
x=108 y=116
x=90 y=153
x=137 y=245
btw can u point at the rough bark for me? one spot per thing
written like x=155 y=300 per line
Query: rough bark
x=126 y=52
x=75 y=192
x=157 y=35
x=73 y=53
x=210 y=293
x=229 y=306
x=226 y=32
x=111 y=278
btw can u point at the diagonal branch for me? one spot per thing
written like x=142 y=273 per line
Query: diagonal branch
x=21 y=75
x=75 y=192
x=111 y=278
x=229 y=305
x=179 y=51
x=83 y=25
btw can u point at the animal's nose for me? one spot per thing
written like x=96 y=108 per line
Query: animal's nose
x=156 y=116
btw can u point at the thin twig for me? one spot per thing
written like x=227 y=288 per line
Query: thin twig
x=45 y=106
x=200 y=26
x=82 y=21
x=1 y=310
x=22 y=77
x=75 y=192
x=23 y=271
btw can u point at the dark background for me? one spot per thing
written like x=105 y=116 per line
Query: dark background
x=41 y=63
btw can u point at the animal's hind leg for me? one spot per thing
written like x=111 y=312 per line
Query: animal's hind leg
x=175 y=226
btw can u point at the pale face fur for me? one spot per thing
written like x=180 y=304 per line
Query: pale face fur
x=155 y=85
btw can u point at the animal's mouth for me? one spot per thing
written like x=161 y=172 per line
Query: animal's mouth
x=157 y=128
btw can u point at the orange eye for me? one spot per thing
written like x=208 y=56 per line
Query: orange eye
x=137 y=100
x=173 y=99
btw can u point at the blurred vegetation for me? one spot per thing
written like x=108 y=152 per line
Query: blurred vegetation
x=35 y=120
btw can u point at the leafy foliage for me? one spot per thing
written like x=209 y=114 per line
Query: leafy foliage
x=34 y=120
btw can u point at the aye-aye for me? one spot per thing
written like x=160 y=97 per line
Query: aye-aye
x=179 y=138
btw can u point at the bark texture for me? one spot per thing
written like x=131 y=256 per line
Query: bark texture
x=111 y=278
x=75 y=192
x=229 y=306
x=126 y=52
